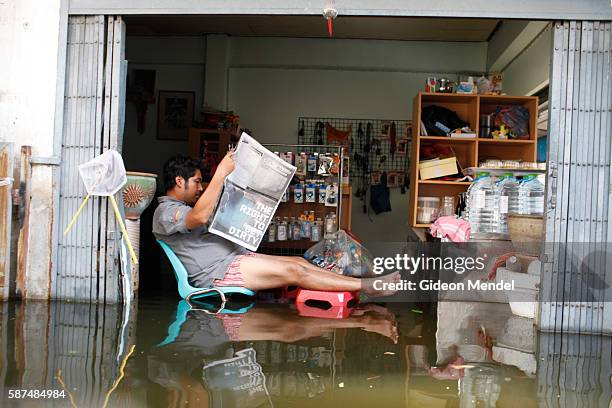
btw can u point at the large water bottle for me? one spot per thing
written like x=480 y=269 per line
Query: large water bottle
x=482 y=205
x=508 y=199
x=531 y=196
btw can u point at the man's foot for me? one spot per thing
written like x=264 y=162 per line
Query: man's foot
x=377 y=287
x=381 y=325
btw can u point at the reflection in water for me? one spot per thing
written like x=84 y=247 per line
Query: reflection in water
x=454 y=354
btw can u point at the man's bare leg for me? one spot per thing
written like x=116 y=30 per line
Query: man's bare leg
x=268 y=272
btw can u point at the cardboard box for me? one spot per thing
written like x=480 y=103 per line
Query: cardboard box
x=430 y=169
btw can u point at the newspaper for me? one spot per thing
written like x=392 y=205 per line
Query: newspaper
x=251 y=194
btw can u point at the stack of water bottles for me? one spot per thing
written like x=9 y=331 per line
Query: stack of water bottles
x=489 y=201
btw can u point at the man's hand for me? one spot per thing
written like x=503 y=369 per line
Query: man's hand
x=227 y=165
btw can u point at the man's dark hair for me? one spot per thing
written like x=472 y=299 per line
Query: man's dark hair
x=181 y=166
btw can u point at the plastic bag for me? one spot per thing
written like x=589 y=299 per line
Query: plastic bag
x=104 y=175
x=341 y=254
x=515 y=118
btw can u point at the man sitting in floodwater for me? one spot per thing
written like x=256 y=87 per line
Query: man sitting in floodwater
x=182 y=218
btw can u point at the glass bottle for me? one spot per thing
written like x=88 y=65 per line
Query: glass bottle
x=281 y=230
x=296 y=233
x=315 y=232
x=330 y=224
x=272 y=232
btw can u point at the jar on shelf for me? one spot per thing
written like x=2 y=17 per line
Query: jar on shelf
x=447 y=207
x=427 y=209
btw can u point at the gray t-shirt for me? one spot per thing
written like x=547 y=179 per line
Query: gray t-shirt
x=206 y=256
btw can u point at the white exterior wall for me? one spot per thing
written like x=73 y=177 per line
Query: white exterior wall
x=29 y=34
x=29 y=39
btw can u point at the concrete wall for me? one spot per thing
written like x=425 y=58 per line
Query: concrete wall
x=529 y=71
x=179 y=66
x=274 y=81
x=29 y=34
x=30 y=40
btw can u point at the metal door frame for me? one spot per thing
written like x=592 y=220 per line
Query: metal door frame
x=578 y=197
x=87 y=261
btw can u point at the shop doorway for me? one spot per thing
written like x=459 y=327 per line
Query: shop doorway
x=262 y=59
x=277 y=69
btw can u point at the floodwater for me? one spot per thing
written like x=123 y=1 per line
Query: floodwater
x=164 y=353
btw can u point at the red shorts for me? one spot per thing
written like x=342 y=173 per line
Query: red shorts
x=231 y=324
x=233 y=276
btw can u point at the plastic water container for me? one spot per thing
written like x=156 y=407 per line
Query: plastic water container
x=531 y=196
x=483 y=206
x=508 y=199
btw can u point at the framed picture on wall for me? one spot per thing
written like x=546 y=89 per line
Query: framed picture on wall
x=175 y=110
x=401 y=147
x=375 y=177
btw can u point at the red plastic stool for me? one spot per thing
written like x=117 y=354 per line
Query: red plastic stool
x=334 y=299
x=336 y=312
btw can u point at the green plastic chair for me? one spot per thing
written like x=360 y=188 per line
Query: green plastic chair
x=189 y=292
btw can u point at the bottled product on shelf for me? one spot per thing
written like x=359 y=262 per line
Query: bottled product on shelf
x=483 y=205
x=296 y=230
x=306 y=226
x=508 y=199
x=281 y=230
x=531 y=196
x=272 y=231
x=331 y=224
x=447 y=207
x=315 y=233
x=305 y=229
x=315 y=186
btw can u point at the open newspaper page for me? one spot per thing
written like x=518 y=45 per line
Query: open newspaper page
x=251 y=194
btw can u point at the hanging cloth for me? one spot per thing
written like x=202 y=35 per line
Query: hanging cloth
x=380 y=200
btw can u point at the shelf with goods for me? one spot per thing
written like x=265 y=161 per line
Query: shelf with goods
x=509 y=149
x=289 y=211
x=450 y=140
x=468 y=151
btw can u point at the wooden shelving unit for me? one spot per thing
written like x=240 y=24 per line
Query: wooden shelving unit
x=469 y=152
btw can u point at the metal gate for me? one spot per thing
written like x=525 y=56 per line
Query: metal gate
x=575 y=288
x=88 y=267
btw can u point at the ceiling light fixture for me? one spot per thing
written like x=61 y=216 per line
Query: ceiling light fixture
x=330 y=13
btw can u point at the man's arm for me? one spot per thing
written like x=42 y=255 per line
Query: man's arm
x=204 y=207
